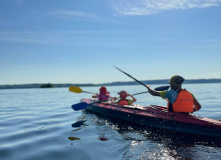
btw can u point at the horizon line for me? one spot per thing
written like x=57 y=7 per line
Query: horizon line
x=104 y=82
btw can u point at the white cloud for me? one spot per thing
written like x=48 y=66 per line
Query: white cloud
x=73 y=13
x=148 y=7
x=79 y=15
x=100 y=38
x=75 y=38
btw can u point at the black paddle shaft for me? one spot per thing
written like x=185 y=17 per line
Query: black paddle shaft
x=162 y=88
x=131 y=77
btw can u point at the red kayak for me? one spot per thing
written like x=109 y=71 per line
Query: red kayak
x=158 y=117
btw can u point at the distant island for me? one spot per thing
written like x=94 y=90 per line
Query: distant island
x=149 y=82
x=47 y=85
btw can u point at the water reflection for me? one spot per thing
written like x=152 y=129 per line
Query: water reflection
x=76 y=130
x=103 y=138
x=73 y=138
x=152 y=143
x=79 y=124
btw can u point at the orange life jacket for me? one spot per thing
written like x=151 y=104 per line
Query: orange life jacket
x=184 y=102
x=123 y=102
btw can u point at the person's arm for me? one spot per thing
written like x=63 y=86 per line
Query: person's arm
x=110 y=97
x=197 y=105
x=134 y=99
x=113 y=98
x=152 y=91
x=95 y=96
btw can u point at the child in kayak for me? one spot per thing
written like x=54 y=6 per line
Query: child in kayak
x=179 y=100
x=104 y=94
x=123 y=98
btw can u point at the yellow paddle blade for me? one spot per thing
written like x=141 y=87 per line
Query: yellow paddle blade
x=75 y=89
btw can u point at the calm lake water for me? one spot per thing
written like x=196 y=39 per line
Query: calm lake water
x=39 y=124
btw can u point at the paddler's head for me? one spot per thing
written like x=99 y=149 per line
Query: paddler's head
x=176 y=82
x=123 y=94
x=103 y=90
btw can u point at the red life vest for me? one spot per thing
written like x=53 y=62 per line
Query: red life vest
x=103 y=97
x=123 y=102
x=184 y=102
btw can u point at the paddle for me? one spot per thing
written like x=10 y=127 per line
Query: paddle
x=83 y=105
x=130 y=76
x=140 y=81
x=162 y=88
x=76 y=89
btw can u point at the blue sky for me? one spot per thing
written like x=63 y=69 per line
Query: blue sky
x=75 y=41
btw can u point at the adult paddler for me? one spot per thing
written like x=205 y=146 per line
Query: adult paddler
x=179 y=100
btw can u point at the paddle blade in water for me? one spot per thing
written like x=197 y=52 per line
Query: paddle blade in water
x=79 y=106
x=75 y=89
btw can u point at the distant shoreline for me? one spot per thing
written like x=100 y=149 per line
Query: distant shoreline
x=149 y=82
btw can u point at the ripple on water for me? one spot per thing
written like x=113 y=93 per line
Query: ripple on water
x=40 y=124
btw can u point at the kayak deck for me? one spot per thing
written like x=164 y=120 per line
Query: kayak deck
x=159 y=117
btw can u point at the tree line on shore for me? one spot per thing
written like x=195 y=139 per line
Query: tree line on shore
x=149 y=82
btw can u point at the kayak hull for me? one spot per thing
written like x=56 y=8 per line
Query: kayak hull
x=158 y=117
